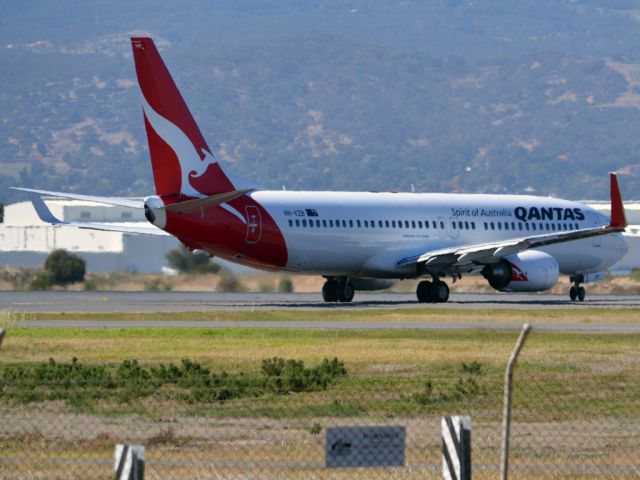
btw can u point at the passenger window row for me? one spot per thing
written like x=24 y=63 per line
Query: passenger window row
x=532 y=226
x=380 y=224
x=433 y=224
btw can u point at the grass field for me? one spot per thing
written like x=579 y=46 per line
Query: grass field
x=570 y=387
x=418 y=314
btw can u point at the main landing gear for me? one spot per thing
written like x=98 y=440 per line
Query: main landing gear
x=337 y=289
x=432 y=292
x=577 y=292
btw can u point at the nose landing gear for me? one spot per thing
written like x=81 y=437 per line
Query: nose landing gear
x=337 y=289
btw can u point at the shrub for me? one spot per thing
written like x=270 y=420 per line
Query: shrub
x=41 y=282
x=285 y=285
x=426 y=396
x=81 y=384
x=187 y=262
x=468 y=388
x=90 y=285
x=315 y=429
x=265 y=287
x=65 y=267
x=292 y=376
x=157 y=285
x=473 y=368
x=230 y=283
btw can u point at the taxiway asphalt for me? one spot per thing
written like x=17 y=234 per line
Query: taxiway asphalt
x=149 y=302
x=93 y=302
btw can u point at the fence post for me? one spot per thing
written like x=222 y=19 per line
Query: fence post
x=129 y=462
x=1 y=336
x=506 y=412
x=456 y=448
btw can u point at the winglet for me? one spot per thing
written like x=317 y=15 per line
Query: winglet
x=43 y=211
x=618 y=218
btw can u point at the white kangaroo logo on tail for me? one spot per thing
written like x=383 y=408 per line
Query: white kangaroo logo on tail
x=191 y=166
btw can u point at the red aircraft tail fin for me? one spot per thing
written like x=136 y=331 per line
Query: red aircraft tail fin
x=181 y=160
x=618 y=218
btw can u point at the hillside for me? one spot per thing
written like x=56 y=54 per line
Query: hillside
x=462 y=96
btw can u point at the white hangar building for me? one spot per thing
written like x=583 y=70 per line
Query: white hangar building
x=632 y=235
x=26 y=241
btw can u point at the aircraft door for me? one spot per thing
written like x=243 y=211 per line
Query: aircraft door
x=254 y=224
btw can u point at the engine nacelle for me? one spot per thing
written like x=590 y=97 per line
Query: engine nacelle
x=368 y=284
x=528 y=271
x=154 y=211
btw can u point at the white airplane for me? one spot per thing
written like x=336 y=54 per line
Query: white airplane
x=357 y=241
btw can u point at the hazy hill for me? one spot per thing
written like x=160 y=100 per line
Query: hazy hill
x=451 y=96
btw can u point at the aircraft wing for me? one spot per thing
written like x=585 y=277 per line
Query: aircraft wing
x=459 y=257
x=47 y=216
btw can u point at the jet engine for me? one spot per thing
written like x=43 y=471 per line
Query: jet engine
x=154 y=211
x=528 y=271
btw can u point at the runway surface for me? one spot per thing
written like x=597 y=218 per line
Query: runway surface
x=92 y=302
x=149 y=302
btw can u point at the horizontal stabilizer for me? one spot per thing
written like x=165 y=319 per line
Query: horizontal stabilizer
x=47 y=216
x=117 y=201
x=198 y=204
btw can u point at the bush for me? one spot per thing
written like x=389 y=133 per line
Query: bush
x=65 y=267
x=230 y=283
x=41 y=282
x=90 y=285
x=157 y=285
x=82 y=385
x=285 y=285
x=473 y=368
x=187 y=262
x=265 y=287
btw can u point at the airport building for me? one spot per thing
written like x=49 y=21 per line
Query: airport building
x=26 y=241
x=632 y=235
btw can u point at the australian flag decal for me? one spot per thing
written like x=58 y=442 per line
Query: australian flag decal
x=311 y=212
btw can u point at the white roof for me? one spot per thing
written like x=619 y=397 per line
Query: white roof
x=23 y=213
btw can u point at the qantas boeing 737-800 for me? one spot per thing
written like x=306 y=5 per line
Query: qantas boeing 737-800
x=357 y=241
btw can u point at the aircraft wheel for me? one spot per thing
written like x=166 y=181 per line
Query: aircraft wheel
x=345 y=292
x=440 y=292
x=581 y=293
x=423 y=292
x=573 y=293
x=330 y=291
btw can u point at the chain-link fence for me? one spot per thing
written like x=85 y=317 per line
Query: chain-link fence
x=576 y=408
x=576 y=411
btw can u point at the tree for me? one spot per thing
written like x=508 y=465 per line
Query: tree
x=187 y=262
x=65 y=267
